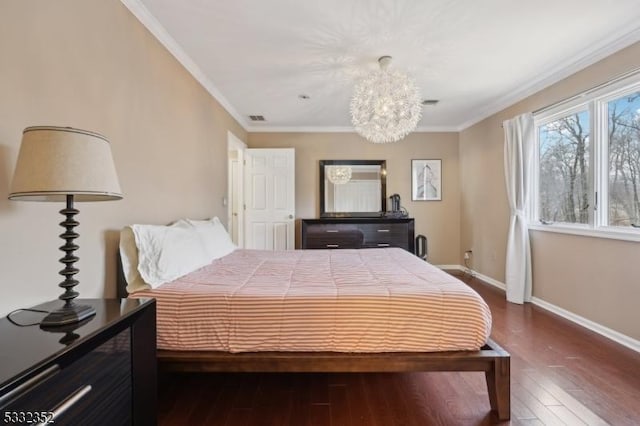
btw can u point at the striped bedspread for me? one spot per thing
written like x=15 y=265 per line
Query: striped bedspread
x=370 y=300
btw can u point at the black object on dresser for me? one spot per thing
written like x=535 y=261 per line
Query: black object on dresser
x=102 y=371
x=357 y=232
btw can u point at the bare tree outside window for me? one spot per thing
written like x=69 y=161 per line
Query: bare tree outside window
x=564 y=169
x=624 y=160
x=588 y=162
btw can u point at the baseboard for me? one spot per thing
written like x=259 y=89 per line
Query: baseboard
x=476 y=274
x=450 y=267
x=616 y=336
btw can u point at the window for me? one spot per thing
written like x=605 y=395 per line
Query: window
x=624 y=160
x=564 y=169
x=587 y=167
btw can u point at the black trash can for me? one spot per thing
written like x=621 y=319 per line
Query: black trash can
x=421 y=247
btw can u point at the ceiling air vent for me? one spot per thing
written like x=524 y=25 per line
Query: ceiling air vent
x=430 y=102
x=257 y=117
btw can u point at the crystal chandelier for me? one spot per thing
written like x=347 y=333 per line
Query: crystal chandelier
x=386 y=105
x=339 y=175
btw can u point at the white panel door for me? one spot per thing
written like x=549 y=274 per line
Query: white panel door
x=269 y=198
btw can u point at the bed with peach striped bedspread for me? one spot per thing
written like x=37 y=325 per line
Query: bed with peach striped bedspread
x=369 y=300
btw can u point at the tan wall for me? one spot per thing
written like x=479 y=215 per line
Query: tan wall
x=438 y=220
x=593 y=277
x=92 y=65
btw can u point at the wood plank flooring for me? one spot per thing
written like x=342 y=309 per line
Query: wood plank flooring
x=561 y=374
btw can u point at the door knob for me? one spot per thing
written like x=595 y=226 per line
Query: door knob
x=290 y=216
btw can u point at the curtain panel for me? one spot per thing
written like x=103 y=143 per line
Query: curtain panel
x=518 y=157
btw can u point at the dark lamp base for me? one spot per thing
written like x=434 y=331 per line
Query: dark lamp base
x=70 y=313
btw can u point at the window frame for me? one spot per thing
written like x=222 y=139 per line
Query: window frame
x=595 y=102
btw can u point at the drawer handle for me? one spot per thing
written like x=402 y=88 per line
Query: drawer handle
x=333 y=245
x=384 y=230
x=332 y=230
x=67 y=403
x=384 y=245
x=28 y=385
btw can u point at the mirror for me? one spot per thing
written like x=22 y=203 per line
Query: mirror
x=352 y=188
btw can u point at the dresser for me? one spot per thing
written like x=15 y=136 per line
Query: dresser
x=99 y=372
x=357 y=232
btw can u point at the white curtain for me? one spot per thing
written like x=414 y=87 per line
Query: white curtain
x=518 y=156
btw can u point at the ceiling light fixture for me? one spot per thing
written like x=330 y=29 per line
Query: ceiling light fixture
x=339 y=175
x=386 y=105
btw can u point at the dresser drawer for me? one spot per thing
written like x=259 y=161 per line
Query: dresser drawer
x=323 y=236
x=385 y=235
x=94 y=389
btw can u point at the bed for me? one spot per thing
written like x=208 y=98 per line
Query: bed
x=369 y=310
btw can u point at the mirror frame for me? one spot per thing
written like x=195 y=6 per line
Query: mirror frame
x=383 y=187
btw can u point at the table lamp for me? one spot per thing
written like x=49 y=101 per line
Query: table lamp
x=64 y=164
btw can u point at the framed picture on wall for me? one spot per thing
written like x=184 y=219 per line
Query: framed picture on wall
x=426 y=180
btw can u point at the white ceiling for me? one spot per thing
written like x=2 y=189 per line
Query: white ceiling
x=477 y=57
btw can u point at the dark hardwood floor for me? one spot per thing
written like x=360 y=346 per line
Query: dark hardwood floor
x=561 y=374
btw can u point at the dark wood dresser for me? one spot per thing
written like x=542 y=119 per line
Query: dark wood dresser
x=100 y=373
x=357 y=232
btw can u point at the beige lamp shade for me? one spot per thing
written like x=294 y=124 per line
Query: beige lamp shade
x=54 y=162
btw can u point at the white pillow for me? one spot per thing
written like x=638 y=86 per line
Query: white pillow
x=168 y=252
x=153 y=255
x=129 y=260
x=215 y=238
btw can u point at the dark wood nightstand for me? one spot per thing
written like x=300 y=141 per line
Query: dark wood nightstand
x=102 y=373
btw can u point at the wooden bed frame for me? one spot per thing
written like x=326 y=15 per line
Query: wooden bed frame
x=491 y=358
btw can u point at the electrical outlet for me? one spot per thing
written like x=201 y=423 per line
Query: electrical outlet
x=466 y=255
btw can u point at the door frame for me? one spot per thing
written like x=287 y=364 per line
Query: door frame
x=235 y=153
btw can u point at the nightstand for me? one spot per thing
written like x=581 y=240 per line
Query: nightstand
x=101 y=373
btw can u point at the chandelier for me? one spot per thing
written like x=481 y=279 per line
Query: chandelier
x=386 y=105
x=339 y=175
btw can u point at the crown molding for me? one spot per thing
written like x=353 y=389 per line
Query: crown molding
x=337 y=129
x=436 y=129
x=300 y=129
x=145 y=17
x=597 y=52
